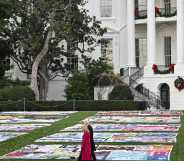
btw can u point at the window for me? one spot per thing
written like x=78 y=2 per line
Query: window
x=167 y=4
x=141 y=50
x=106 y=8
x=106 y=49
x=137 y=51
x=72 y=59
x=142 y=5
x=167 y=50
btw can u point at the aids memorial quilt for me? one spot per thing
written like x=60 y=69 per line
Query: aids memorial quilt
x=21 y=127
x=129 y=127
x=134 y=119
x=104 y=152
x=149 y=152
x=32 y=117
x=152 y=137
x=9 y=135
x=139 y=113
x=27 y=120
x=43 y=113
x=45 y=152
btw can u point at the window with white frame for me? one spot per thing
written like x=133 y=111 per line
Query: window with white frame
x=173 y=3
x=142 y=5
x=167 y=50
x=72 y=59
x=106 y=8
x=141 y=50
x=107 y=49
x=167 y=4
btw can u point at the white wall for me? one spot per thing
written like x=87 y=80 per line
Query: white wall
x=15 y=73
x=116 y=26
x=176 y=97
x=56 y=89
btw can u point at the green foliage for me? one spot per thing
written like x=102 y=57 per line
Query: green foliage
x=121 y=92
x=16 y=93
x=13 y=83
x=78 y=87
x=5 y=52
x=81 y=84
x=6 y=10
x=94 y=69
x=70 y=22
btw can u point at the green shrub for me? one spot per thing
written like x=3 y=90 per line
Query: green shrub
x=121 y=92
x=78 y=87
x=16 y=93
x=12 y=83
x=85 y=105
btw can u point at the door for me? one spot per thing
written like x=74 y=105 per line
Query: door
x=165 y=96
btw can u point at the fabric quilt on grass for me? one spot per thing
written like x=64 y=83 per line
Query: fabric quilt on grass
x=139 y=113
x=152 y=137
x=43 y=113
x=21 y=127
x=128 y=127
x=104 y=152
x=134 y=119
x=4 y=136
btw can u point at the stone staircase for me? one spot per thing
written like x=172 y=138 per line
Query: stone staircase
x=138 y=90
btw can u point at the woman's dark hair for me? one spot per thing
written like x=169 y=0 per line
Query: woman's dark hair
x=91 y=138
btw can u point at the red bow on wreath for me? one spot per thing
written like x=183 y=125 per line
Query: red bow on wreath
x=171 y=67
x=155 y=67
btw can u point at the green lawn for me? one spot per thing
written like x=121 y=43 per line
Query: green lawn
x=178 y=151
x=21 y=141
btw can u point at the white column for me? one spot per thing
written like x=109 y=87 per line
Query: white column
x=180 y=32
x=151 y=33
x=131 y=32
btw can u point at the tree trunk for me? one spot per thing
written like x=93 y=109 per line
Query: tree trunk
x=43 y=85
x=34 y=75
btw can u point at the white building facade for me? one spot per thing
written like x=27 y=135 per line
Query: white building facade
x=146 y=35
x=145 y=38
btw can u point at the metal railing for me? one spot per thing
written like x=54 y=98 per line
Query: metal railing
x=160 y=12
x=167 y=12
x=124 y=72
x=150 y=96
x=137 y=75
x=140 y=14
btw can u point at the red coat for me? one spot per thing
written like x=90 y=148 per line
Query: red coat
x=86 y=147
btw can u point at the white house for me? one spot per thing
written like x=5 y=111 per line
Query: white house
x=145 y=39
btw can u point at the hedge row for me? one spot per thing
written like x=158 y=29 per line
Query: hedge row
x=12 y=83
x=72 y=105
x=15 y=93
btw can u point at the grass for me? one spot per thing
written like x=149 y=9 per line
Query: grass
x=178 y=150
x=21 y=141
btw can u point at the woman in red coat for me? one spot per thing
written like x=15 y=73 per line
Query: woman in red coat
x=85 y=154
